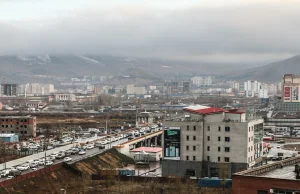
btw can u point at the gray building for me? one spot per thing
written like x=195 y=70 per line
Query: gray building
x=9 y=89
x=206 y=140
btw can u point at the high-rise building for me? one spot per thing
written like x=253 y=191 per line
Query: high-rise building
x=9 y=89
x=186 y=86
x=205 y=138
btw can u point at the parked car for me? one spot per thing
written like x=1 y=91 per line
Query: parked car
x=34 y=169
x=90 y=146
x=102 y=147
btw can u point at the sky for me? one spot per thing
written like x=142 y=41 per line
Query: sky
x=217 y=31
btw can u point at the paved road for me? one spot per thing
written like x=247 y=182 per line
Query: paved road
x=89 y=153
x=274 y=150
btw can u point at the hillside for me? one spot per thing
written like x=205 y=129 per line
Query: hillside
x=272 y=72
x=46 y=67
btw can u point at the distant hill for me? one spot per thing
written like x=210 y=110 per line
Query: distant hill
x=272 y=72
x=34 y=68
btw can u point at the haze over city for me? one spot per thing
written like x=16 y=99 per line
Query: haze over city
x=140 y=96
x=253 y=32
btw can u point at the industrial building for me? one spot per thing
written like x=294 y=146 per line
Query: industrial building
x=151 y=154
x=198 y=142
x=277 y=178
x=24 y=126
x=9 y=138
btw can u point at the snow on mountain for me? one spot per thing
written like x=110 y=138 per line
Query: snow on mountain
x=35 y=60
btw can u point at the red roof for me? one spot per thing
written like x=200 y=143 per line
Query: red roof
x=205 y=111
x=147 y=149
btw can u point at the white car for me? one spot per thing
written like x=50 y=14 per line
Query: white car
x=90 y=146
x=10 y=177
x=67 y=159
x=34 y=169
x=81 y=152
x=23 y=167
x=48 y=163
x=278 y=146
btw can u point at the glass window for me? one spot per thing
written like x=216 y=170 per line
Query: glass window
x=219 y=138
x=208 y=148
x=194 y=128
x=194 y=148
x=187 y=157
x=227 y=139
x=227 y=129
x=227 y=149
x=227 y=159
x=208 y=158
x=194 y=158
x=187 y=148
x=208 y=138
x=219 y=149
x=187 y=128
x=219 y=128
x=208 y=128
x=187 y=137
x=219 y=159
x=194 y=137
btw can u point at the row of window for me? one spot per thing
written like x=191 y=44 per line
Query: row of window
x=227 y=139
x=188 y=158
x=227 y=149
x=227 y=129
x=6 y=126
x=25 y=120
x=226 y=159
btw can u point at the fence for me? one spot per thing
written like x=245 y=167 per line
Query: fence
x=29 y=175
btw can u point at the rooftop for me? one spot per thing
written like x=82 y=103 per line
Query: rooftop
x=147 y=149
x=286 y=172
x=7 y=134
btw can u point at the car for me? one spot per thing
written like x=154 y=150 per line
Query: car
x=81 y=152
x=90 y=146
x=67 y=159
x=48 y=163
x=101 y=147
x=60 y=156
x=34 y=168
x=10 y=177
x=278 y=146
x=41 y=162
x=14 y=172
x=84 y=147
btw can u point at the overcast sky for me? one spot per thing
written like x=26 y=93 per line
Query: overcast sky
x=254 y=31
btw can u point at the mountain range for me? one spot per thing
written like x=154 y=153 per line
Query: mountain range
x=270 y=73
x=33 y=68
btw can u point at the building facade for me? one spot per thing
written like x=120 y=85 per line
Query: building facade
x=208 y=138
x=9 y=138
x=20 y=125
x=290 y=88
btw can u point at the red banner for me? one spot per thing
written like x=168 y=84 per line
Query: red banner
x=287 y=92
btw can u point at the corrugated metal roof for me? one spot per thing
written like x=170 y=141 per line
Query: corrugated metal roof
x=209 y=110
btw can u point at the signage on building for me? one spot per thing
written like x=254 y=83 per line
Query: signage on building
x=295 y=93
x=172 y=143
x=287 y=93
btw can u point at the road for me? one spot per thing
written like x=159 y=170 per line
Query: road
x=77 y=157
x=274 y=150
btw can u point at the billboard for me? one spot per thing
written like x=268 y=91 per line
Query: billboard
x=287 y=92
x=172 y=143
x=295 y=93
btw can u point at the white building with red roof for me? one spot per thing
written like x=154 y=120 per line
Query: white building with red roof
x=205 y=137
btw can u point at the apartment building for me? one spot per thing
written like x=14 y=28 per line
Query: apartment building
x=20 y=125
x=205 y=138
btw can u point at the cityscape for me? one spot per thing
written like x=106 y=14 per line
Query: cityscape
x=149 y=97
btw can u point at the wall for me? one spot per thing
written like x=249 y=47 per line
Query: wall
x=251 y=184
x=40 y=172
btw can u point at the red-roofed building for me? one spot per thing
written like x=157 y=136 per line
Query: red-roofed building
x=197 y=142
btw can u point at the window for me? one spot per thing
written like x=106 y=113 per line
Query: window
x=249 y=139
x=227 y=139
x=219 y=149
x=25 y=126
x=194 y=148
x=194 y=158
x=227 y=149
x=2 y=126
x=194 y=128
x=249 y=149
x=187 y=128
x=208 y=128
x=208 y=148
x=226 y=159
x=208 y=158
x=25 y=120
x=6 y=126
x=208 y=138
x=187 y=157
x=10 y=126
x=12 y=132
x=219 y=138
x=187 y=148
x=21 y=126
x=249 y=129
x=21 y=120
x=194 y=137
x=252 y=138
x=219 y=128
x=187 y=138
x=227 y=129
x=252 y=128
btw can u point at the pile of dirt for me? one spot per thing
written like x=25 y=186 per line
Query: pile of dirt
x=110 y=159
